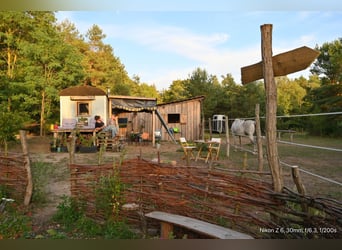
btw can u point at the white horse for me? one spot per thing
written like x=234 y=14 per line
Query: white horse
x=243 y=128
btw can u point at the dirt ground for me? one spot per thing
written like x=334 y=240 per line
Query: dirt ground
x=56 y=188
x=39 y=149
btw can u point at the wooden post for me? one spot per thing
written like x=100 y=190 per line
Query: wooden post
x=258 y=138
x=299 y=184
x=271 y=107
x=71 y=148
x=166 y=230
x=297 y=180
x=210 y=129
x=227 y=136
x=29 y=187
x=153 y=128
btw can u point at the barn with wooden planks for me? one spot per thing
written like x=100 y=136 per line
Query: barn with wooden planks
x=136 y=115
x=184 y=116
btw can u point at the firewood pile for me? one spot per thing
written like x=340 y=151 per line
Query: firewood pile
x=13 y=176
x=236 y=201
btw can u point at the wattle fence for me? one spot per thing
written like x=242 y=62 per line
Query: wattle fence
x=237 y=201
x=13 y=176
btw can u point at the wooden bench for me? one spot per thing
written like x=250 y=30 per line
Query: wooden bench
x=291 y=132
x=167 y=221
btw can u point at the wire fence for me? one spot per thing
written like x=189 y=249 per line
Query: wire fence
x=299 y=144
x=290 y=116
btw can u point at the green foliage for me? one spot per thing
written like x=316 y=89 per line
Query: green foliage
x=10 y=124
x=3 y=191
x=40 y=172
x=70 y=215
x=13 y=223
x=117 y=230
x=109 y=194
x=69 y=211
x=328 y=63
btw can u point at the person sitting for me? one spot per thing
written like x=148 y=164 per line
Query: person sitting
x=112 y=125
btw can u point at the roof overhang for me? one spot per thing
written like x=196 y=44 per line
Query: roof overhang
x=133 y=103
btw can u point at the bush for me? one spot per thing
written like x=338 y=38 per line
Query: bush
x=71 y=217
x=13 y=222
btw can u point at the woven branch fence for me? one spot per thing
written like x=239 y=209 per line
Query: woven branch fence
x=245 y=204
x=13 y=176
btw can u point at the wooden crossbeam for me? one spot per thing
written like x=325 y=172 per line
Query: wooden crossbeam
x=283 y=64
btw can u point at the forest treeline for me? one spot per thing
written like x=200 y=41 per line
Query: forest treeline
x=39 y=57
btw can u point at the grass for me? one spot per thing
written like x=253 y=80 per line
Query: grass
x=318 y=161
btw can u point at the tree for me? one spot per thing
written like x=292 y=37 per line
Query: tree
x=329 y=63
x=175 y=92
x=104 y=70
x=10 y=123
x=201 y=83
x=50 y=66
x=327 y=97
x=14 y=29
x=290 y=96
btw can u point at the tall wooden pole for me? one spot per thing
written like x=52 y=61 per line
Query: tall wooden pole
x=271 y=107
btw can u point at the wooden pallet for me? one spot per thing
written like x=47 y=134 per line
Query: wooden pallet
x=105 y=140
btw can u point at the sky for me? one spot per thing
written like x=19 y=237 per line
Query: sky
x=161 y=45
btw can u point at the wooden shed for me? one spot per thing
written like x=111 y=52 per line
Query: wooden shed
x=136 y=114
x=184 y=116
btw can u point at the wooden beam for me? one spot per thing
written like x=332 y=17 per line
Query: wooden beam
x=283 y=64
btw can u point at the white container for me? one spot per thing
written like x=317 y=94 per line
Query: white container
x=219 y=123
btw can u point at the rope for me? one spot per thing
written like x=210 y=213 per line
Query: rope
x=289 y=116
x=310 y=146
x=316 y=175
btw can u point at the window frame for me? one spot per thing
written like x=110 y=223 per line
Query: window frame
x=173 y=118
x=78 y=107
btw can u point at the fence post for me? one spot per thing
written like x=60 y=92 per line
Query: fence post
x=299 y=184
x=71 y=149
x=258 y=138
x=227 y=136
x=297 y=180
x=29 y=187
x=210 y=129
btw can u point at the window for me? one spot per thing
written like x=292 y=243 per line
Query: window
x=173 y=118
x=122 y=122
x=83 y=108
